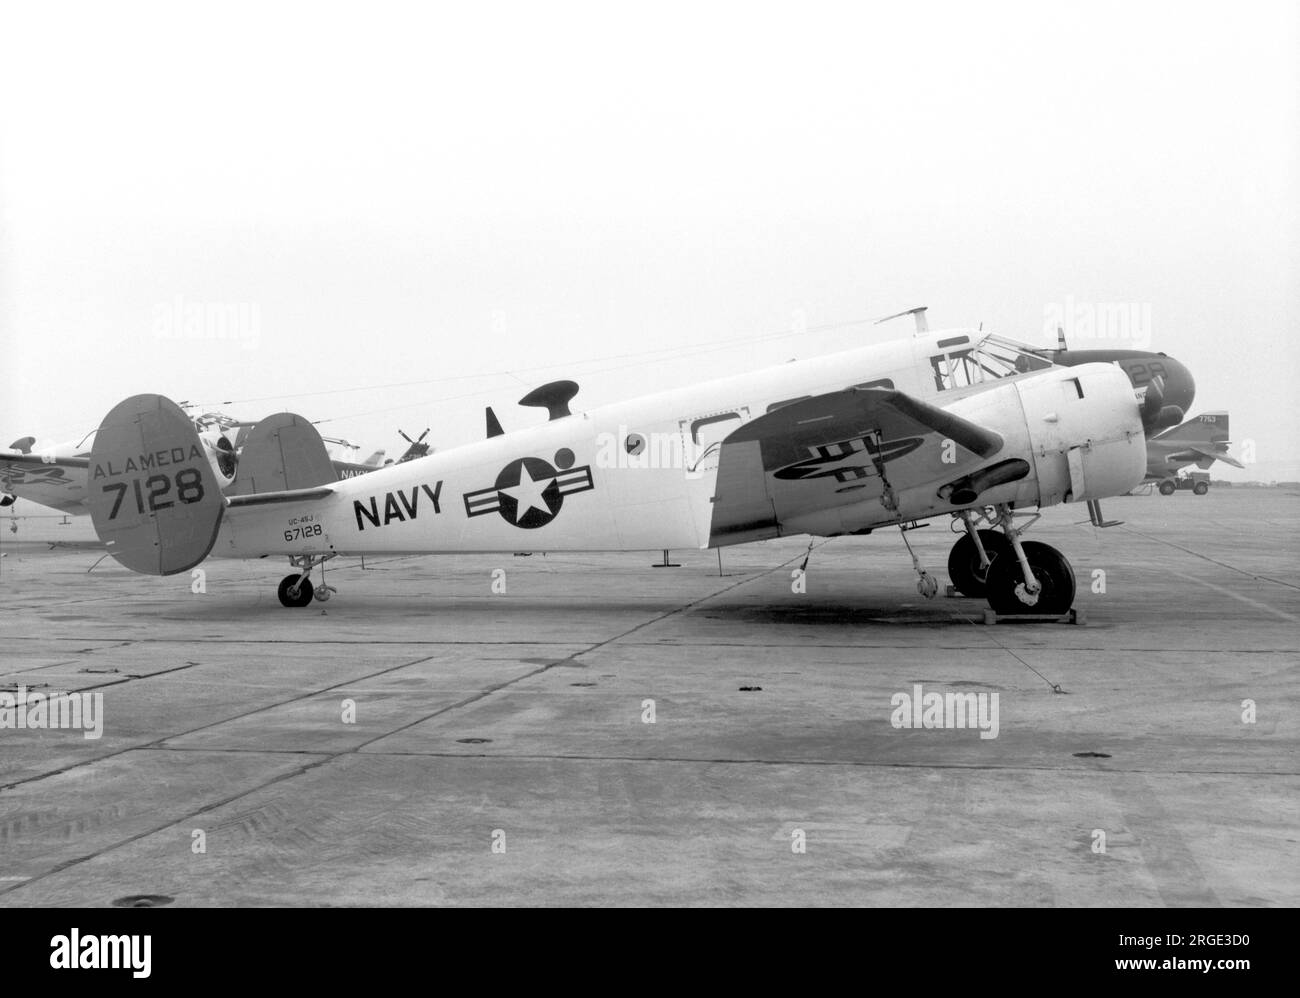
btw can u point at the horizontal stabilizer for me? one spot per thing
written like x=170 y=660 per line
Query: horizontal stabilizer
x=267 y=498
x=1205 y=458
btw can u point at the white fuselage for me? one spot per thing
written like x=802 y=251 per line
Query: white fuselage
x=642 y=474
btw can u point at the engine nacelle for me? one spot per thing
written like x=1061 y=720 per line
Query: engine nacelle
x=1078 y=428
x=1085 y=431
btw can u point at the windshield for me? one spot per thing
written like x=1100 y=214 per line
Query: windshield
x=988 y=358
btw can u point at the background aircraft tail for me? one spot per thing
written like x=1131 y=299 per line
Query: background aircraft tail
x=1205 y=439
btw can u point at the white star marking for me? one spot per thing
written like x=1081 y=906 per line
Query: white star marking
x=528 y=493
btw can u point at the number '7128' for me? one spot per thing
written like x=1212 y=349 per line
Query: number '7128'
x=153 y=497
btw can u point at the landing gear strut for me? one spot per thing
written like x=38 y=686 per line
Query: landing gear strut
x=972 y=555
x=296 y=589
x=1032 y=577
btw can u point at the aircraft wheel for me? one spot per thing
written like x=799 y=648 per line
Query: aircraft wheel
x=964 y=561
x=1052 y=570
x=304 y=594
x=1200 y=488
x=1167 y=488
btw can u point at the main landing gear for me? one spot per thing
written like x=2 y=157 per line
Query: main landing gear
x=970 y=558
x=1015 y=577
x=297 y=590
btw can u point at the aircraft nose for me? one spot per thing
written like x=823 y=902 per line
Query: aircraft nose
x=1180 y=386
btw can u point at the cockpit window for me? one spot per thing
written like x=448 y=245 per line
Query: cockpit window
x=989 y=359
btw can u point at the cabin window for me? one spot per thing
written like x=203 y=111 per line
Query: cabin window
x=958 y=369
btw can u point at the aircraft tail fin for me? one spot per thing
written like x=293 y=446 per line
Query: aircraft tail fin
x=375 y=459
x=1207 y=428
x=282 y=453
x=153 y=497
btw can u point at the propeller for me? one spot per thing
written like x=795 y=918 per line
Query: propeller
x=226 y=456
x=1157 y=416
x=418 y=447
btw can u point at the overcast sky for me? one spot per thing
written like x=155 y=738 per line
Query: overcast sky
x=484 y=197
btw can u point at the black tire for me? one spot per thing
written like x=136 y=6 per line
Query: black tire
x=1052 y=570
x=964 y=561
x=304 y=591
x=1168 y=488
x=1200 y=488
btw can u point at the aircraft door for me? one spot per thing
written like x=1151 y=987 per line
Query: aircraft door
x=702 y=438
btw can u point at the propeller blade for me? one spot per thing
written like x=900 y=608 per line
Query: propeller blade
x=1153 y=401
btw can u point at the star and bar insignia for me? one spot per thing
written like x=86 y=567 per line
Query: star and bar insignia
x=530 y=491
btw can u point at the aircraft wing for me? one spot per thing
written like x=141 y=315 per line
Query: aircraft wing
x=828 y=451
x=59 y=482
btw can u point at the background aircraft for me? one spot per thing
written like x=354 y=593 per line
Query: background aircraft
x=1201 y=441
x=1143 y=367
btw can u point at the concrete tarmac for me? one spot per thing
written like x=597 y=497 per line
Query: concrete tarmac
x=607 y=733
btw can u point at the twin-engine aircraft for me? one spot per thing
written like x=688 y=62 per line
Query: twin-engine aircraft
x=955 y=423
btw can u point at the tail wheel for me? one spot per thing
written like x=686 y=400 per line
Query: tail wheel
x=1051 y=570
x=287 y=594
x=1167 y=488
x=964 y=561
